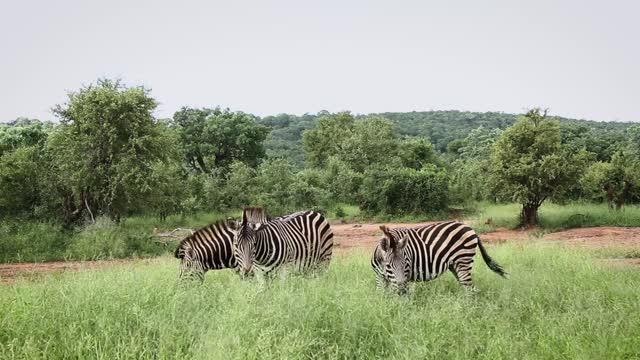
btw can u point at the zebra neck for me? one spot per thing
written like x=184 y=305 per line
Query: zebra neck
x=266 y=246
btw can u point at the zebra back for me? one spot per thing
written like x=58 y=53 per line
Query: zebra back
x=210 y=247
x=303 y=238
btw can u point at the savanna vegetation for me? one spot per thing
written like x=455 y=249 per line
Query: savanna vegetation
x=556 y=304
x=100 y=179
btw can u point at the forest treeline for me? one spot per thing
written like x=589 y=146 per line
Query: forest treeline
x=108 y=156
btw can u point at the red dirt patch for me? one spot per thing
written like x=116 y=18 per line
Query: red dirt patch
x=599 y=237
x=10 y=272
x=364 y=236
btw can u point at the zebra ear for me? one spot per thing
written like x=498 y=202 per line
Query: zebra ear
x=402 y=243
x=388 y=242
x=384 y=244
x=232 y=223
x=244 y=217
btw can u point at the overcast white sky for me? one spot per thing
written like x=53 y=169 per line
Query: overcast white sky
x=265 y=57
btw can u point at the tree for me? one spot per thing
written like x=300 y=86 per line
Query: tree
x=275 y=178
x=372 y=141
x=327 y=137
x=617 y=181
x=530 y=165
x=20 y=180
x=469 y=179
x=22 y=132
x=106 y=147
x=242 y=186
x=212 y=139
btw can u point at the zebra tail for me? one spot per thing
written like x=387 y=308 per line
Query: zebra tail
x=490 y=262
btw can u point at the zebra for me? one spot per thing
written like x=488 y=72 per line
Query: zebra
x=424 y=253
x=303 y=239
x=208 y=248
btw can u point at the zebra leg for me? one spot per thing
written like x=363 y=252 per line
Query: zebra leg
x=462 y=273
x=453 y=271
x=191 y=270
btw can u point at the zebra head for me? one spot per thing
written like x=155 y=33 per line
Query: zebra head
x=244 y=244
x=396 y=266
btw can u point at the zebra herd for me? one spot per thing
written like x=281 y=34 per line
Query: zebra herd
x=304 y=241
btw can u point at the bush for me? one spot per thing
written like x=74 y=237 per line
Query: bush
x=31 y=241
x=405 y=191
x=105 y=239
x=19 y=181
x=97 y=241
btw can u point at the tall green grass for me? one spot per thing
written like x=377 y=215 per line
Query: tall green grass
x=34 y=241
x=554 y=217
x=556 y=304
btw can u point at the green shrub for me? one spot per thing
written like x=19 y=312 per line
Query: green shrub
x=97 y=241
x=405 y=191
x=31 y=241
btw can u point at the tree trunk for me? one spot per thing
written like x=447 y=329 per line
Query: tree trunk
x=529 y=215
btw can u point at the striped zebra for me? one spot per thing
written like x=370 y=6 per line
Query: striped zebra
x=209 y=248
x=303 y=240
x=424 y=253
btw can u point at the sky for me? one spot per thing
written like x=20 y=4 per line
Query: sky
x=580 y=59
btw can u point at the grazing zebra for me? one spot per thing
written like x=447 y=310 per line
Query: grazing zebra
x=209 y=248
x=424 y=253
x=303 y=239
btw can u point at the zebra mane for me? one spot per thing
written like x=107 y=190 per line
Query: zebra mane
x=255 y=215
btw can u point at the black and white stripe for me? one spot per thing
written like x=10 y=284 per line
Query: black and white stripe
x=303 y=240
x=424 y=253
x=209 y=248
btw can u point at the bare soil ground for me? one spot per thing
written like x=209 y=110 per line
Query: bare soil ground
x=10 y=272
x=349 y=236
x=364 y=236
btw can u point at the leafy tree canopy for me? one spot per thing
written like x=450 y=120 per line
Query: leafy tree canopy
x=212 y=139
x=530 y=164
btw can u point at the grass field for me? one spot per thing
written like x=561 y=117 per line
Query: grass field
x=556 y=304
x=555 y=217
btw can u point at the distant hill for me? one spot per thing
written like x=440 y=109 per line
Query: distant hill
x=440 y=127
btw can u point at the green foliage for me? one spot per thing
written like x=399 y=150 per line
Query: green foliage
x=342 y=183
x=415 y=153
x=308 y=190
x=22 y=240
x=403 y=190
x=241 y=186
x=616 y=182
x=20 y=181
x=212 y=139
x=372 y=142
x=285 y=138
x=529 y=164
x=556 y=304
x=22 y=133
x=275 y=178
x=326 y=139
x=469 y=180
x=106 y=146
